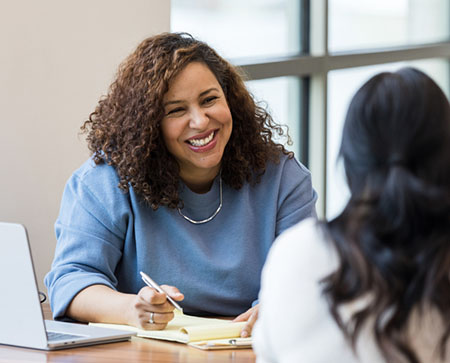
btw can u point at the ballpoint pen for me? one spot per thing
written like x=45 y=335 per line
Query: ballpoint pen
x=241 y=342
x=224 y=343
x=149 y=281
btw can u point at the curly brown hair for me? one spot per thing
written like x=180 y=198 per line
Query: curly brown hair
x=124 y=130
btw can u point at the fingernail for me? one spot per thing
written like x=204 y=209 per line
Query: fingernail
x=244 y=334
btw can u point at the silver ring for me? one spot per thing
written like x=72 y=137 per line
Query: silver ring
x=151 y=321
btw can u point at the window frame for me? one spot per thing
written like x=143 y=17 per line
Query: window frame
x=312 y=67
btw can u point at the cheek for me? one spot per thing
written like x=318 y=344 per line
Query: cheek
x=229 y=123
x=170 y=131
x=224 y=116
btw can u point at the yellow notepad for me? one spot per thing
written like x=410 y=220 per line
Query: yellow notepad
x=203 y=333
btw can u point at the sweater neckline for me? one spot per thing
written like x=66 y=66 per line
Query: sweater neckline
x=195 y=200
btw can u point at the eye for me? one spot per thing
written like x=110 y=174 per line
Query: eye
x=175 y=110
x=210 y=99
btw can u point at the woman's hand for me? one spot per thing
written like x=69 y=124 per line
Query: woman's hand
x=150 y=309
x=250 y=317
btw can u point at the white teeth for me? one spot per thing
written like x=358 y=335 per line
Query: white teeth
x=202 y=142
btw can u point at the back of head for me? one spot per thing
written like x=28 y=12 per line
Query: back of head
x=393 y=236
x=397 y=120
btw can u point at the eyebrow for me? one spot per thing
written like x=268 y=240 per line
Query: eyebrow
x=200 y=95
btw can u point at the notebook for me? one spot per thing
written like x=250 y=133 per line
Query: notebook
x=21 y=319
x=203 y=333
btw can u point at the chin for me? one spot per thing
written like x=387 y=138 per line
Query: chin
x=209 y=165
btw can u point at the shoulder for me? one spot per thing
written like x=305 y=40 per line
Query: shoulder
x=302 y=249
x=291 y=288
x=287 y=174
x=92 y=191
x=286 y=187
x=96 y=174
x=287 y=166
x=96 y=183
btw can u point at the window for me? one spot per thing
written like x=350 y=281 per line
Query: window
x=367 y=24
x=306 y=58
x=281 y=96
x=236 y=28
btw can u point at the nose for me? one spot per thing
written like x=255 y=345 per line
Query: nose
x=198 y=119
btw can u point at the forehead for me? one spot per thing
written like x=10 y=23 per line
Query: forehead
x=195 y=77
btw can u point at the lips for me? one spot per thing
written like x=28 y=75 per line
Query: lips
x=203 y=142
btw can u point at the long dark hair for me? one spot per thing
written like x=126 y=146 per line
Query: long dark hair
x=393 y=237
x=124 y=130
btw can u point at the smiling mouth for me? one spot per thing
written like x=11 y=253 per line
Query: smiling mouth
x=202 y=142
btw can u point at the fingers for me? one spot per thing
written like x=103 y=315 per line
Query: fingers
x=155 y=297
x=250 y=317
x=247 y=329
x=160 y=320
x=151 y=296
x=173 y=292
x=244 y=316
x=152 y=300
x=152 y=308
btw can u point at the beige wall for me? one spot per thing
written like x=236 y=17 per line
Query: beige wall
x=57 y=57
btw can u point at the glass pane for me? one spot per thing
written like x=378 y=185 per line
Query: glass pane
x=380 y=23
x=282 y=98
x=342 y=85
x=237 y=28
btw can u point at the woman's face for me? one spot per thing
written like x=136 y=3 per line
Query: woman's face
x=197 y=123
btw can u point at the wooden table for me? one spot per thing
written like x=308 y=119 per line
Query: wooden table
x=137 y=350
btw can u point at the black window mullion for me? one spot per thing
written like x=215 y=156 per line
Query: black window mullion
x=303 y=105
x=304 y=120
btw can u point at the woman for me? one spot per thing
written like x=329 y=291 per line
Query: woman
x=372 y=285
x=185 y=184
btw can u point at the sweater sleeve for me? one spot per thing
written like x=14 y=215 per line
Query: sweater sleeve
x=90 y=234
x=297 y=198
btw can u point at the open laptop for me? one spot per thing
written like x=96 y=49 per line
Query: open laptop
x=21 y=319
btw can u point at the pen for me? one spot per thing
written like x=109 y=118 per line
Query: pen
x=148 y=280
x=241 y=342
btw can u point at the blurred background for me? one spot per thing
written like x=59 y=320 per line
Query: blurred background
x=58 y=57
x=304 y=58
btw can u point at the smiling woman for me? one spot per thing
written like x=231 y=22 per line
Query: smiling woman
x=197 y=125
x=185 y=183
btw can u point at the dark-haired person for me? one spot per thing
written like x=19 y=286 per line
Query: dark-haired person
x=185 y=184
x=373 y=284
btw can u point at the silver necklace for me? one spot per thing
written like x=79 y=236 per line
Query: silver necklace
x=212 y=216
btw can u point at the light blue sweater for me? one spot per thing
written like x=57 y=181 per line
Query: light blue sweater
x=106 y=236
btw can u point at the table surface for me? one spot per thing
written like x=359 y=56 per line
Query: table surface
x=136 y=350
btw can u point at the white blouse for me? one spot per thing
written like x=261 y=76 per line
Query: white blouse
x=295 y=324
